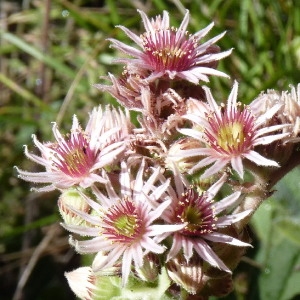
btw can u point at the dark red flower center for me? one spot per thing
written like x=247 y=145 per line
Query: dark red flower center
x=197 y=211
x=165 y=50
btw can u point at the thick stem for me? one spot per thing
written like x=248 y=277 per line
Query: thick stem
x=254 y=194
x=264 y=181
x=252 y=201
x=293 y=162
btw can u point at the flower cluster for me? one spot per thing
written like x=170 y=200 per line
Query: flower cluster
x=154 y=202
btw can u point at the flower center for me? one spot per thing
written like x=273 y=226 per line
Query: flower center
x=126 y=225
x=197 y=211
x=123 y=222
x=232 y=133
x=74 y=157
x=165 y=51
x=230 y=136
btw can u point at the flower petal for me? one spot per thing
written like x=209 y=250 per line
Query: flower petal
x=223 y=238
x=260 y=160
x=208 y=255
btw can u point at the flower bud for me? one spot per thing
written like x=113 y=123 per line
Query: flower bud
x=186 y=274
x=72 y=199
x=149 y=270
x=82 y=282
x=183 y=164
x=99 y=260
x=220 y=287
x=288 y=112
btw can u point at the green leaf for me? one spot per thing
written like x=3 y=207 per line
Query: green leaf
x=290 y=228
x=281 y=262
x=262 y=221
x=293 y=287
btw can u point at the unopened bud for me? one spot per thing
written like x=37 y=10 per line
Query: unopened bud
x=99 y=260
x=182 y=163
x=82 y=282
x=149 y=270
x=188 y=275
x=69 y=200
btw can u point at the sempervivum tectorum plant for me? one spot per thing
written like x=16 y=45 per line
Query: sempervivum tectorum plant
x=75 y=159
x=171 y=52
x=124 y=223
x=229 y=133
x=288 y=113
x=204 y=218
x=127 y=87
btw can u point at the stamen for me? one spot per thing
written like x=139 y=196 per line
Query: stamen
x=197 y=211
x=73 y=156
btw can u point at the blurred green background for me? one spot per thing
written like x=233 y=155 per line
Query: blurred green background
x=51 y=52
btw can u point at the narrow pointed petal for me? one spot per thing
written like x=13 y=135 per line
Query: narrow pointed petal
x=231 y=219
x=227 y=202
x=237 y=165
x=183 y=26
x=130 y=34
x=126 y=266
x=203 y=32
x=125 y=48
x=265 y=140
x=215 y=168
x=231 y=102
x=260 y=160
x=158 y=229
x=175 y=248
x=208 y=255
x=223 y=238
